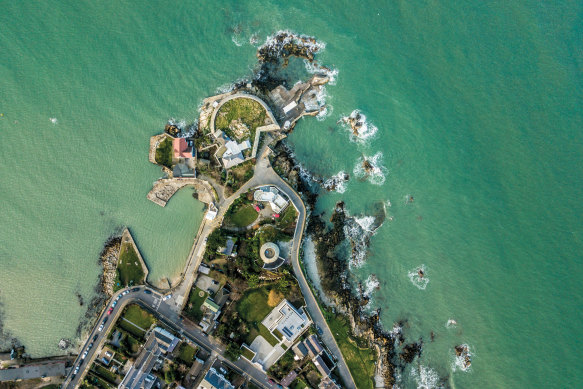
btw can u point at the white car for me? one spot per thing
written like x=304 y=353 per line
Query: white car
x=84 y=355
x=76 y=370
x=125 y=292
x=166 y=297
x=100 y=328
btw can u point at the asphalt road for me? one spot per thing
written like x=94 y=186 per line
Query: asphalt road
x=166 y=314
x=169 y=311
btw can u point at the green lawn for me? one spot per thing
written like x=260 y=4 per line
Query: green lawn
x=139 y=317
x=186 y=353
x=243 y=216
x=247 y=353
x=253 y=308
x=129 y=269
x=164 y=153
x=360 y=360
x=251 y=113
x=288 y=218
x=195 y=300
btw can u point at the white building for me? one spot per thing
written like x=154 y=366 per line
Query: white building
x=234 y=153
x=287 y=320
x=276 y=199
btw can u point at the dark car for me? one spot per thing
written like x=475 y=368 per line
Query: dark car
x=135 y=289
x=146 y=291
x=95 y=337
x=104 y=321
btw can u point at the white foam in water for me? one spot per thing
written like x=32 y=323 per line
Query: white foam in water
x=376 y=174
x=238 y=40
x=370 y=285
x=416 y=279
x=53 y=120
x=365 y=222
x=337 y=182
x=459 y=361
x=425 y=377
x=365 y=131
x=314 y=68
x=301 y=40
x=451 y=323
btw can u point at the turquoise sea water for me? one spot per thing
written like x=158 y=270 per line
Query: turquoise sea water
x=478 y=110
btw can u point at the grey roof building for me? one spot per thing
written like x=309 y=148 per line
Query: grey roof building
x=215 y=380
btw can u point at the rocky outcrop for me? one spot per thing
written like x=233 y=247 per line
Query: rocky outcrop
x=108 y=261
x=286 y=44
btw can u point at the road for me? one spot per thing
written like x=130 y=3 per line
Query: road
x=166 y=314
x=169 y=311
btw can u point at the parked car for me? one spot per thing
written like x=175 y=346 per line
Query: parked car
x=257 y=208
x=100 y=328
x=125 y=292
x=146 y=291
x=95 y=337
x=275 y=215
x=166 y=297
x=109 y=311
x=90 y=346
x=118 y=297
x=114 y=304
x=135 y=289
x=84 y=355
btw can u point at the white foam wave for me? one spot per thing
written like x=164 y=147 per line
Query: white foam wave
x=451 y=323
x=360 y=129
x=375 y=173
x=277 y=41
x=463 y=361
x=418 y=277
x=53 y=120
x=238 y=40
x=365 y=222
x=370 y=285
x=315 y=68
x=425 y=378
x=337 y=182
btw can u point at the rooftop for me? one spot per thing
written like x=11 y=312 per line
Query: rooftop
x=215 y=380
x=287 y=320
x=181 y=148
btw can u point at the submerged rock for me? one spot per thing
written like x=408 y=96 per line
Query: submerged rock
x=464 y=358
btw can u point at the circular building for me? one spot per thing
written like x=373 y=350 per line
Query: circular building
x=269 y=252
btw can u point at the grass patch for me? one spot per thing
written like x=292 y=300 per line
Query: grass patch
x=164 y=153
x=195 y=301
x=249 y=111
x=139 y=316
x=129 y=268
x=247 y=353
x=240 y=174
x=243 y=216
x=186 y=353
x=263 y=331
x=253 y=308
x=288 y=219
x=277 y=334
x=93 y=380
x=360 y=361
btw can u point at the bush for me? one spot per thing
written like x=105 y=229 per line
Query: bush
x=164 y=153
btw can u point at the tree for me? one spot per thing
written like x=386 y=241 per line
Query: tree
x=233 y=352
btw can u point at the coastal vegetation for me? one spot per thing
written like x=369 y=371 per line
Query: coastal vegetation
x=164 y=153
x=237 y=114
x=129 y=268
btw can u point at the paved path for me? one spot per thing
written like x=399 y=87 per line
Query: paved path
x=165 y=313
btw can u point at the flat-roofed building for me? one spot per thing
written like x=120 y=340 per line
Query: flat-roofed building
x=215 y=380
x=289 y=321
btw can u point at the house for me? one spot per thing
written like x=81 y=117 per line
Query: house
x=228 y=249
x=211 y=213
x=211 y=305
x=287 y=320
x=182 y=170
x=181 y=148
x=233 y=155
x=159 y=342
x=215 y=380
x=276 y=199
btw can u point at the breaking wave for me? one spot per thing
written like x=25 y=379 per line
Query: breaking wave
x=462 y=360
x=418 y=277
x=314 y=68
x=275 y=46
x=337 y=182
x=370 y=285
x=360 y=129
x=371 y=169
x=451 y=323
x=426 y=378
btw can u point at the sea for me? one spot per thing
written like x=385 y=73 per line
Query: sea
x=473 y=124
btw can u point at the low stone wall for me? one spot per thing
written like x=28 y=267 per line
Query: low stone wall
x=165 y=188
x=154 y=142
x=126 y=237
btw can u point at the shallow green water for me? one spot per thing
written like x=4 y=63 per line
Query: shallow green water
x=478 y=109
